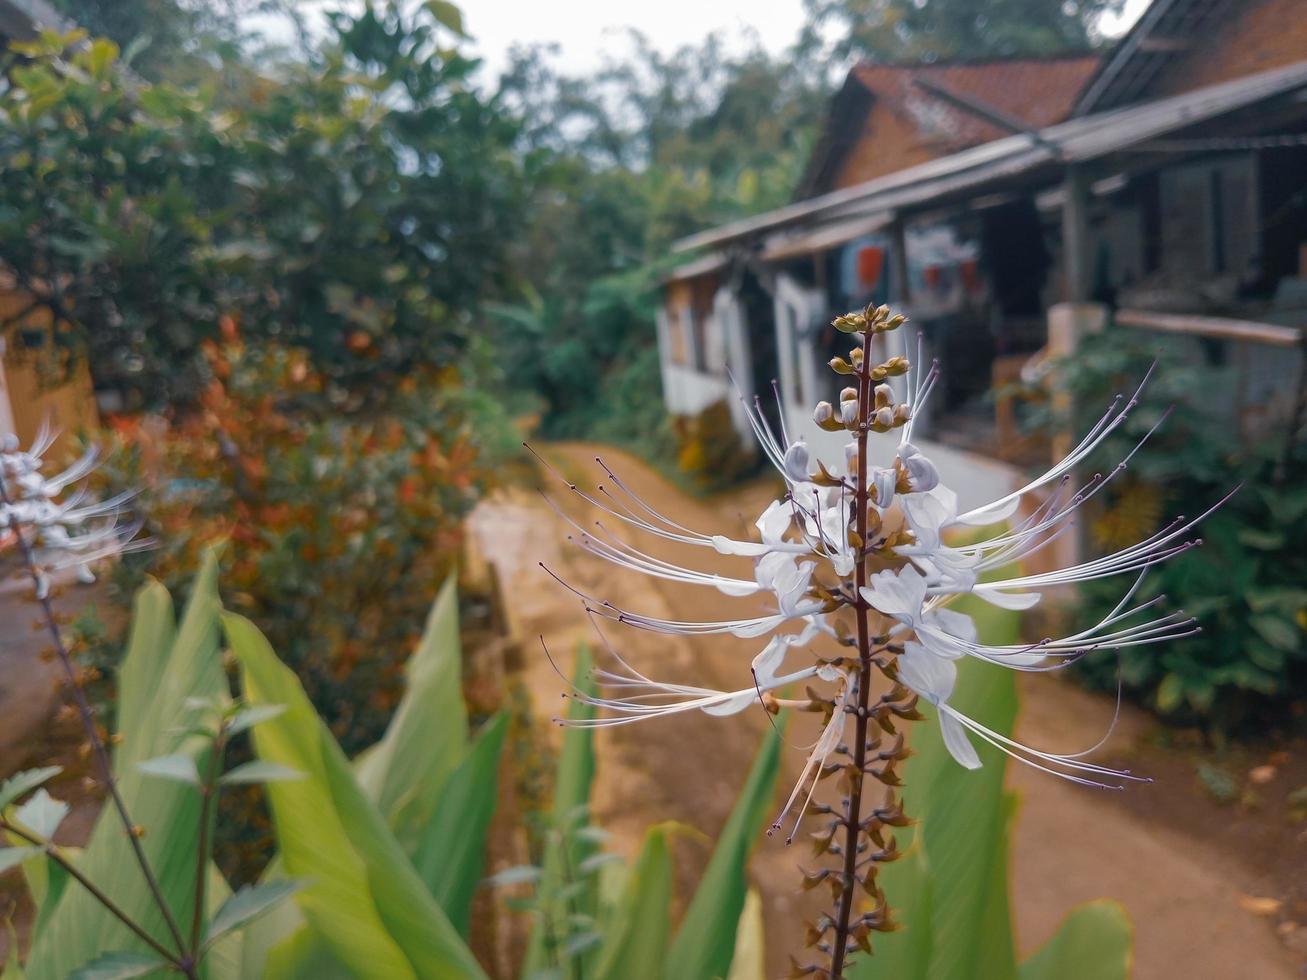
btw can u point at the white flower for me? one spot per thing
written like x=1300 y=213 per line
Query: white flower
x=72 y=532
x=806 y=562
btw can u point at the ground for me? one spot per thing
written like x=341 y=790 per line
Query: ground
x=1209 y=887
x=1213 y=888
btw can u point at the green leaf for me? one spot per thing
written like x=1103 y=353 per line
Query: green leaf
x=258 y=771
x=1093 y=943
x=637 y=934
x=364 y=901
x=1170 y=693
x=180 y=768
x=42 y=814
x=24 y=782
x=405 y=773
x=564 y=850
x=119 y=966
x=1277 y=631
x=249 y=717
x=749 y=960
x=249 y=903
x=451 y=851
x=162 y=668
x=447 y=15
x=950 y=889
x=11 y=857
x=13 y=968
x=706 y=941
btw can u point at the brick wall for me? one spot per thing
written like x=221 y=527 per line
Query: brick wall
x=889 y=143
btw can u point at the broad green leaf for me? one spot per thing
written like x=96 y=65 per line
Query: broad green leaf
x=24 y=782
x=45 y=882
x=363 y=898
x=119 y=966
x=13 y=968
x=249 y=903
x=1094 y=942
x=451 y=850
x=162 y=668
x=259 y=771
x=405 y=773
x=637 y=934
x=949 y=892
x=564 y=850
x=180 y=768
x=705 y=942
x=748 y=962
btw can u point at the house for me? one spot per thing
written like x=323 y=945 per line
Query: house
x=1008 y=207
x=27 y=398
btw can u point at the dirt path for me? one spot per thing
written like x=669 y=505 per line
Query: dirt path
x=1071 y=844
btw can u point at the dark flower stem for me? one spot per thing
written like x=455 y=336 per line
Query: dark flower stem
x=110 y=905
x=209 y=797
x=88 y=723
x=853 y=814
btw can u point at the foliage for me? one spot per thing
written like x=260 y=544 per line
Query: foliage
x=1243 y=584
x=950 y=887
x=589 y=921
x=909 y=30
x=377 y=859
x=174 y=39
x=341 y=528
x=617 y=165
x=355 y=208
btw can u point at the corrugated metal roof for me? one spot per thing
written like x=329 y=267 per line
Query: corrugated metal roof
x=1077 y=140
x=1159 y=37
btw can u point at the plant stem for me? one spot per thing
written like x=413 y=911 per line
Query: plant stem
x=209 y=793
x=88 y=721
x=109 y=904
x=853 y=813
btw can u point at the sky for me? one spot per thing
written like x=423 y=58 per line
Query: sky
x=587 y=29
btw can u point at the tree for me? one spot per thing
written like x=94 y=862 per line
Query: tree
x=357 y=207
x=618 y=164
x=898 y=31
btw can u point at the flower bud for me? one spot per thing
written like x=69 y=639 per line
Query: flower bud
x=921 y=473
x=840 y=366
x=902 y=414
x=896 y=366
x=884 y=417
x=849 y=411
x=848 y=393
x=884 y=396
x=796 y=461
x=823 y=412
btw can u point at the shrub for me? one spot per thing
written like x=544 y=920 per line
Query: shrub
x=340 y=529
x=1245 y=585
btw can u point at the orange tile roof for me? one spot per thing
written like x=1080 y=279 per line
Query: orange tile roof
x=1036 y=91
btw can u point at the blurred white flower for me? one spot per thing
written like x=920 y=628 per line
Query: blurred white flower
x=72 y=532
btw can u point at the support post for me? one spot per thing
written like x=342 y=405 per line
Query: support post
x=1075 y=235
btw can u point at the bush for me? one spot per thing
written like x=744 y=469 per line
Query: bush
x=340 y=529
x=1245 y=585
